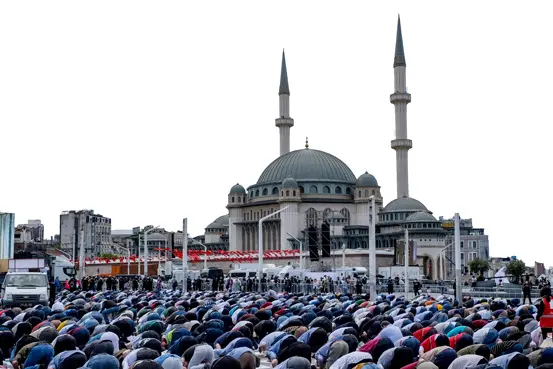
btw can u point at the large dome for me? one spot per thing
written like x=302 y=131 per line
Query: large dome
x=307 y=165
x=404 y=204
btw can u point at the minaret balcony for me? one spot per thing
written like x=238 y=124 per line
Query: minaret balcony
x=284 y=122
x=400 y=97
x=402 y=143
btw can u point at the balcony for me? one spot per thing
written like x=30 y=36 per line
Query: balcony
x=402 y=143
x=400 y=97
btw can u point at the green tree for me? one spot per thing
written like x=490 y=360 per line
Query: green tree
x=516 y=268
x=108 y=256
x=479 y=266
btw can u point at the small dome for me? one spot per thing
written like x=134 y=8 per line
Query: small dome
x=156 y=237
x=405 y=204
x=421 y=216
x=237 y=188
x=289 y=183
x=221 y=222
x=366 y=180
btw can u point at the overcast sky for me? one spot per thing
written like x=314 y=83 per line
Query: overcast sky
x=148 y=112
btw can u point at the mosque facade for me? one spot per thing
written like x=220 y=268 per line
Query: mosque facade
x=314 y=186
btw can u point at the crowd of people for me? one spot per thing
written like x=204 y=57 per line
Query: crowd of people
x=101 y=328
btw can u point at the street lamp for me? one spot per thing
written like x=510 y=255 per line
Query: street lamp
x=301 y=253
x=146 y=248
x=372 y=249
x=406 y=261
x=128 y=256
x=457 y=233
x=260 y=241
x=440 y=254
x=205 y=249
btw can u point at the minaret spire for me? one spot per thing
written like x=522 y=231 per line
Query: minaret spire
x=283 y=89
x=400 y=98
x=284 y=122
x=399 y=57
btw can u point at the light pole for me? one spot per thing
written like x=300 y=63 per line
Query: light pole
x=185 y=255
x=146 y=249
x=260 y=241
x=205 y=250
x=440 y=254
x=372 y=249
x=457 y=232
x=81 y=255
x=128 y=256
x=301 y=253
x=406 y=261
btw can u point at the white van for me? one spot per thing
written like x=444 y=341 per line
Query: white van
x=25 y=289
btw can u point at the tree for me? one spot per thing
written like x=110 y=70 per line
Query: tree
x=479 y=266
x=516 y=268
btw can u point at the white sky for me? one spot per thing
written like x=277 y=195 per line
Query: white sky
x=148 y=112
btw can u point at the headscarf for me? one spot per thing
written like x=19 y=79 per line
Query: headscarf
x=465 y=361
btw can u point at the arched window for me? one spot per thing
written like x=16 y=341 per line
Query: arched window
x=374 y=193
x=338 y=190
x=232 y=199
x=301 y=189
x=287 y=193
x=281 y=193
x=359 y=193
x=239 y=200
x=326 y=189
x=251 y=194
x=366 y=193
x=265 y=192
x=256 y=193
x=345 y=213
x=294 y=193
x=311 y=217
x=244 y=199
x=313 y=189
x=275 y=191
x=348 y=191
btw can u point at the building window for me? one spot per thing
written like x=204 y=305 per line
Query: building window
x=359 y=194
x=287 y=193
x=338 y=190
x=265 y=192
x=233 y=199
x=366 y=193
x=474 y=244
x=348 y=191
x=313 y=189
x=256 y=193
x=326 y=189
x=239 y=200
x=461 y=244
x=374 y=193
x=275 y=191
x=282 y=193
x=294 y=193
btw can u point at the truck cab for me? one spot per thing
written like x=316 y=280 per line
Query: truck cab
x=25 y=289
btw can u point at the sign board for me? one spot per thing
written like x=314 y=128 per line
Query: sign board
x=18 y=264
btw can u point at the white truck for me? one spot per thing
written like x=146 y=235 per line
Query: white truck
x=25 y=289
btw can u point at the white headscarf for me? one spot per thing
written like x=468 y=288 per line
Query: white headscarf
x=464 y=361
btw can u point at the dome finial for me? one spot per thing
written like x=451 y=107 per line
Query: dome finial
x=306 y=142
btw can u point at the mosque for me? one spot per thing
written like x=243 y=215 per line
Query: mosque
x=314 y=186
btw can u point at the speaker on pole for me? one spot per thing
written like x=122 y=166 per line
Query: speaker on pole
x=313 y=244
x=325 y=239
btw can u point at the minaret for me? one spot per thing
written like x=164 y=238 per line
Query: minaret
x=400 y=98
x=284 y=123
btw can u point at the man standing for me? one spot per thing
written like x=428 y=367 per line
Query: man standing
x=526 y=289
